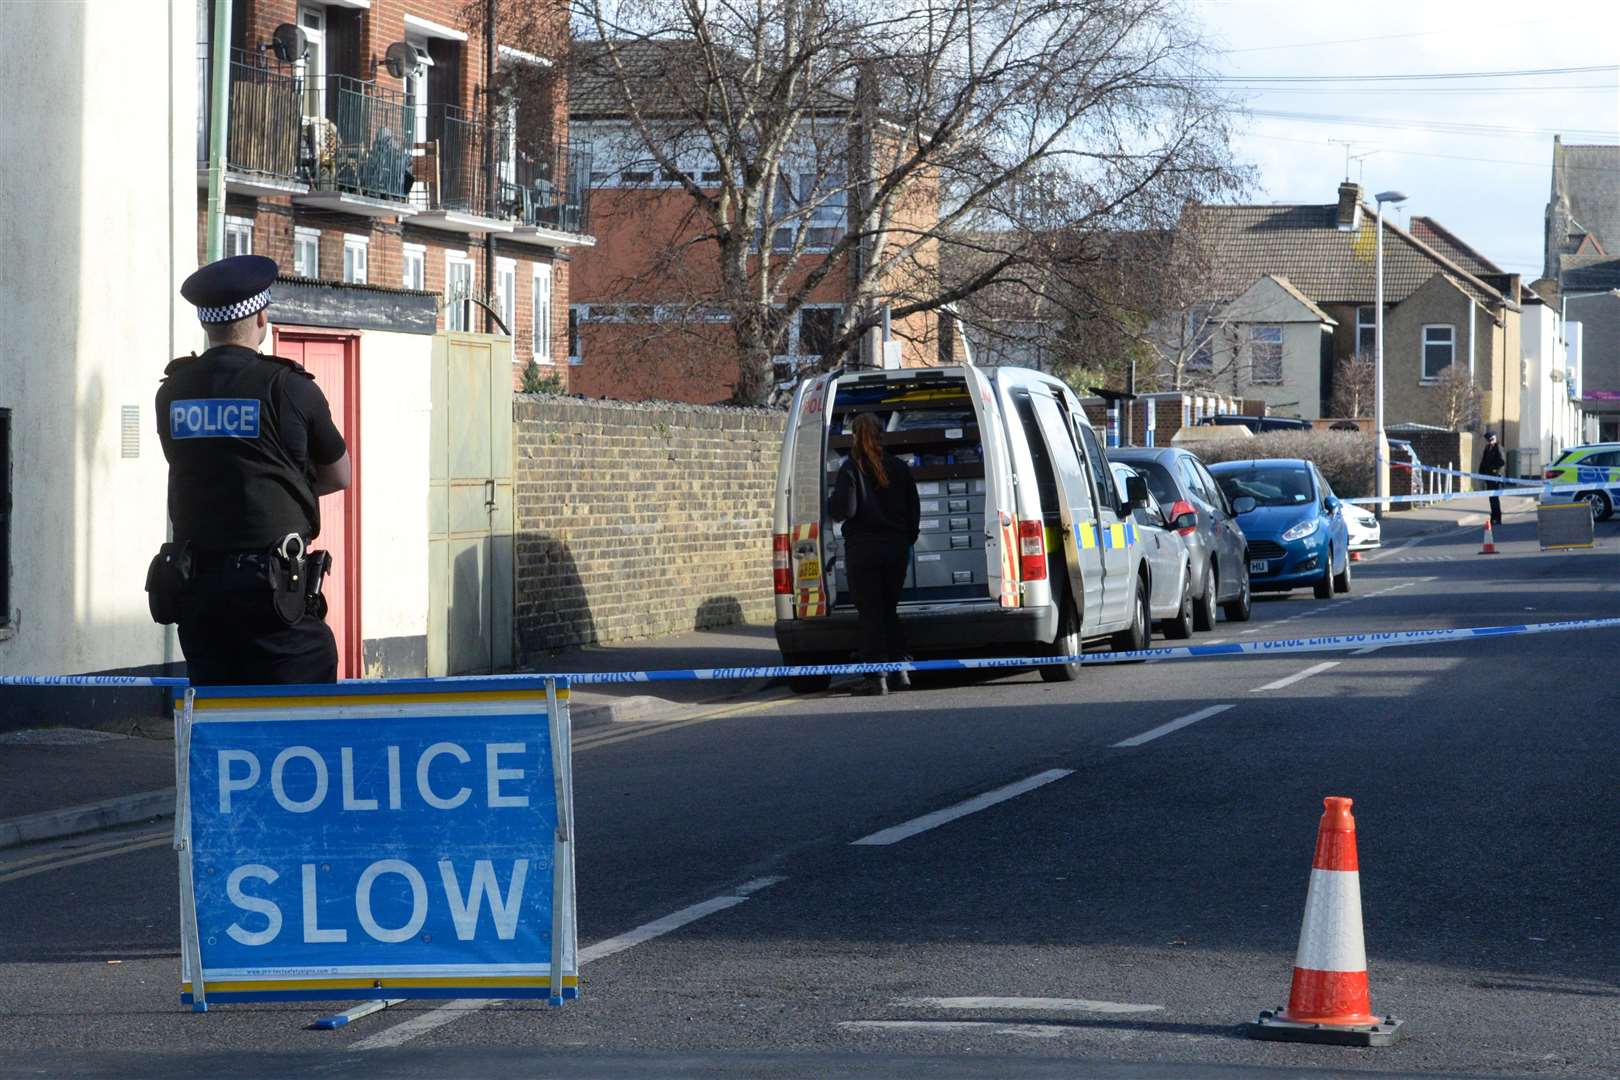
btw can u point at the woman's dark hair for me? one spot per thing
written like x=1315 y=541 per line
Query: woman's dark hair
x=868 y=449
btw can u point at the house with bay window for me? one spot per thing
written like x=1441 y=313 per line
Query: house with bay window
x=1289 y=302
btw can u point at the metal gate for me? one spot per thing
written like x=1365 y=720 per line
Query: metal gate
x=470 y=517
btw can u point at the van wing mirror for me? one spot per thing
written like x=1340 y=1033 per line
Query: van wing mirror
x=1243 y=504
x=1136 y=492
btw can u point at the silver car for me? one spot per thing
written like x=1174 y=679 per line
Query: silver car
x=1215 y=542
x=1169 y=564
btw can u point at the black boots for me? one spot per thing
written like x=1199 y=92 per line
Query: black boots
x=871 y=686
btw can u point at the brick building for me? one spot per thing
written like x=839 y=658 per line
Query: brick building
x=359 y=150
x=649 y=319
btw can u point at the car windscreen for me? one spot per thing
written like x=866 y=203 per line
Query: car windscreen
x=1268 y=485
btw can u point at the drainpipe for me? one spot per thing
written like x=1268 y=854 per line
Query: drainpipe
x=218 y=107
x=1472 y=318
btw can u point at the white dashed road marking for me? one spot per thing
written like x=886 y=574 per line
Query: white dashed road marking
x=1174 y=725
x=1027 y=1004
x=1314 y=669
x=979 y=802
x=403 y=1033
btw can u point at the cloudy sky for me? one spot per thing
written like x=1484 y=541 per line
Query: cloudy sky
x=1473 y=153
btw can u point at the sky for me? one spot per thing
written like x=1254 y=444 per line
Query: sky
x=1474 y=154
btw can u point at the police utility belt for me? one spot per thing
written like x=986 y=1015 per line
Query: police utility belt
x=288 y=575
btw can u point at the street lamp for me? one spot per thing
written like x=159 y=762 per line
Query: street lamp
x=1381 y=458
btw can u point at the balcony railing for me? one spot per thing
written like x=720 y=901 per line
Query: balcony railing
x=265 y=118
x=548 y=185
x=542 y=184
x=362 y=146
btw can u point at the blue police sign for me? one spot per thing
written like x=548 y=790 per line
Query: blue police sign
x=214 y=418
x=365 y=840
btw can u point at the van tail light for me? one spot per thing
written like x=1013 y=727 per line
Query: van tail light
x=1032 y=550
x=783 y=564
x=1180 y=510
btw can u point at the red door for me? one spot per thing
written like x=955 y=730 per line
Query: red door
x=334 y=361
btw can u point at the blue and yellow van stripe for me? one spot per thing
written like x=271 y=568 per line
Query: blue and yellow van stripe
x=1113 y=537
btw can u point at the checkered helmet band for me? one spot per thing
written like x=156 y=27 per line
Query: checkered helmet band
x=239 y=310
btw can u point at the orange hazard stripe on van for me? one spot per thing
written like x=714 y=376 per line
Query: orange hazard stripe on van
x=1009 y=569
x=811 y=601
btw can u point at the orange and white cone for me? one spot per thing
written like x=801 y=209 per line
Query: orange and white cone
x=1329 y=1001
x=1490 y=540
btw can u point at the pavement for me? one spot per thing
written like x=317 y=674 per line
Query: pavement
x=57 y=782
x=62 y=781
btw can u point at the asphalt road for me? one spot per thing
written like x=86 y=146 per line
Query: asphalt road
x=1122 y=914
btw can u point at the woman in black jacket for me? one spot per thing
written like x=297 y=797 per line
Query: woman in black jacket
x=876 y=499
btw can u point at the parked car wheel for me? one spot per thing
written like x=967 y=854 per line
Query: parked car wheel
x=1067 y=643
x=1140 y=633
x=1602 y=509
x=807 y=684
x=1324 y=588
x=1341 y=582
x=1182 y=625
x=1204 y=612
x=1240 y=609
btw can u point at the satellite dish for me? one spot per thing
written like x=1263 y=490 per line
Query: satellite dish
x=400 y=59
x=289 y=43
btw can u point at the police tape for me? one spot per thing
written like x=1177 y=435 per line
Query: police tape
x=90 y=680
x=1449 y=496
x=1275 y=647
x=1283 y=646
x=1486 y=477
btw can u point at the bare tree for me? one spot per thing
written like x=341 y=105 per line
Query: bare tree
x=815 y=138
x=1459 y=398
x=1355 y=384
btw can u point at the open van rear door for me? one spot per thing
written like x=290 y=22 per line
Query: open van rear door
x=1000 y=537
x=807 y=501
x=1081 y=542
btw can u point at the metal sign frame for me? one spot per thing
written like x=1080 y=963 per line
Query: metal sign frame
x=480 y=968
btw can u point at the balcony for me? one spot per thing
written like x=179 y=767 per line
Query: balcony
x=539 y=190
x=262 y=140
x=356 y=148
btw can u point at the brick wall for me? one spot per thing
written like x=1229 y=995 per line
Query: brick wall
x=639 y=520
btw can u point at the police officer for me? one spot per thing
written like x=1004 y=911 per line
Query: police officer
x=251 y=448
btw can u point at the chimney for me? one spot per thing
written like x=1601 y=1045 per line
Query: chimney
x=1349 y=206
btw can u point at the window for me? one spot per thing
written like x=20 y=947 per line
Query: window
x=238 y=236
x=506 y=293
x=1439 y=349
x=355 y=250
x=824 y=223
x=542 y=313
x=1366 y=330
x=306 y=252
x=311 y=69
x=458 y=286
x=5 y=518
x=1265 y=354
x=414 y=261
x=1201 y=337
x=809 y=338
x=575 y=314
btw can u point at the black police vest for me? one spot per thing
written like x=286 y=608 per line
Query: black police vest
x=233 y=484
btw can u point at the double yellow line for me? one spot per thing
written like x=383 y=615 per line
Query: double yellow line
x=83 y=853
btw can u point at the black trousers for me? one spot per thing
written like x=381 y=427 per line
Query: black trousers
x=235 y=638
x=877 y=571
x=1496 y=503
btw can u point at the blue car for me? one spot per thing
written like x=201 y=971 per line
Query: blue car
x=1296 y=527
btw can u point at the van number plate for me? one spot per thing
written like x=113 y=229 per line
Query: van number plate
x=809 y=569
x=1258 y=566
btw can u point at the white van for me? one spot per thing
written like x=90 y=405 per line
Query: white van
x=1027 y=546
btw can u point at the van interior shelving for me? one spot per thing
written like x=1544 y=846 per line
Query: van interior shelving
x=933 y=427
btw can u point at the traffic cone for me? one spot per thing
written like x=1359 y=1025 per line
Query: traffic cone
x=1328 y=1001
x=1355 y=556
x=1490 y=541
